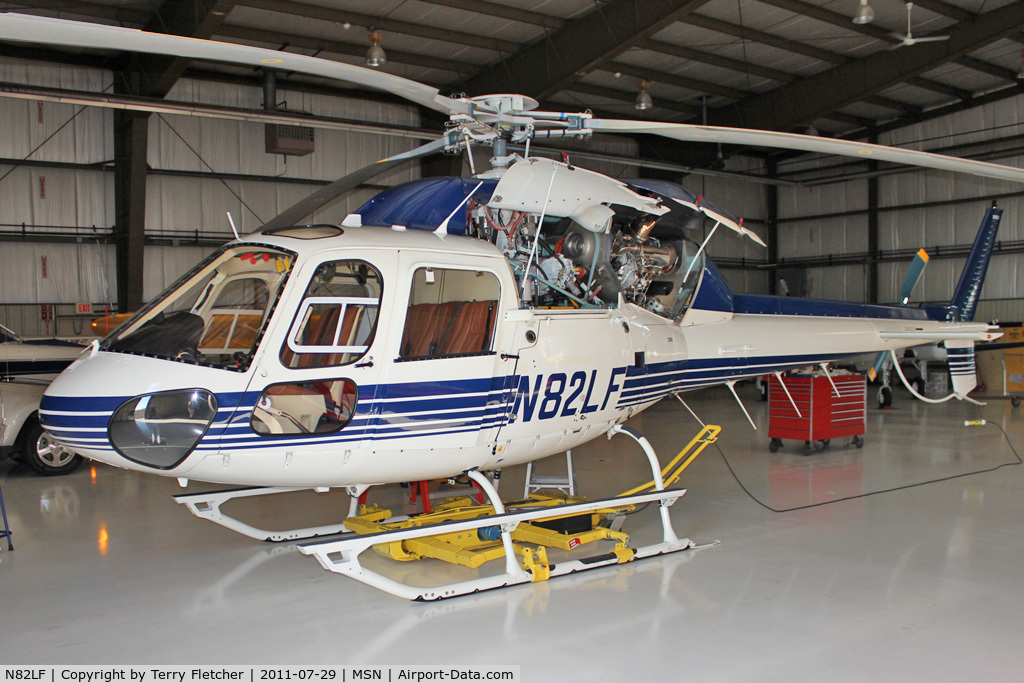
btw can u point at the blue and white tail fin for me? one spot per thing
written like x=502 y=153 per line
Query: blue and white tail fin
x=965 y=296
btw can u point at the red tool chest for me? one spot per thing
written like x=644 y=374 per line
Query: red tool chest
x=820 y=414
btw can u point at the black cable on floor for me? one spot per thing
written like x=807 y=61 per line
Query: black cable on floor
x=875 y=493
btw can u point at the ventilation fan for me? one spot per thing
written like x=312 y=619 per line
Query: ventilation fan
x=909 y=39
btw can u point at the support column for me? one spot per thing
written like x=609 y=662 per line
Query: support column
x=771 y=225
x=872 y=274
x=131 y=135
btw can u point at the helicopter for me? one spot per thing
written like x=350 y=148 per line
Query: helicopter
x=452 y=326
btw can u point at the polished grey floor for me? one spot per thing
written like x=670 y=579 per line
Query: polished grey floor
x=923 y=583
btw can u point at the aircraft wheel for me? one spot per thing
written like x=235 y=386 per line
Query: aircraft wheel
x=918 y=384
x=46 y=456
x=884 y=397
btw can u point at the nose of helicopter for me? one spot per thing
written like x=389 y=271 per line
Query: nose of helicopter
x=131 y=411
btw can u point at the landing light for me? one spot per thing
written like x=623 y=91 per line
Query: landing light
x=160 y=430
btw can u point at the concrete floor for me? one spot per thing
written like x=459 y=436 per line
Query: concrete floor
x=924 y=583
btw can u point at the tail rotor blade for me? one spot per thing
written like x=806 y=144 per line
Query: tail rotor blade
x=328 y=193
x=914 y=273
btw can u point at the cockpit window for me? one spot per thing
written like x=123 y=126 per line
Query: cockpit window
x=215 y=314
x=337 y=318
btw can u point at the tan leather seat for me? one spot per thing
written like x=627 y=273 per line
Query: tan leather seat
x=470 y=330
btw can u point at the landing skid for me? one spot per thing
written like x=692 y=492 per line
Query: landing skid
x=342 y=556
x=490 y=523
x=207 y=506
x=523 y=564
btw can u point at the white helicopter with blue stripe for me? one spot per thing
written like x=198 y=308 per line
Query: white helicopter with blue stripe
x=450 y=325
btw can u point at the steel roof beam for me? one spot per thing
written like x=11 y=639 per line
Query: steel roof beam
x=337 y=47
x=810 y=98
x=990 y=69
x=676 y=80
x=752 y=35
x=197 y=19
x=118 y=12
x=549 y=66
x=718 y=60
x=340 y=16
x=492 y=9
x=613 y=94
x=869 y=30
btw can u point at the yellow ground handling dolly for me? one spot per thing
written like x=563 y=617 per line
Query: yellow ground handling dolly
x=461 y=532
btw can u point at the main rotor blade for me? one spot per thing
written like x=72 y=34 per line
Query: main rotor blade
x=62 y=32
x=807 y=143
x=328 y=193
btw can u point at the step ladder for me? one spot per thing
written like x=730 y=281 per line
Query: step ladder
x=566 y=484
x=6 y=533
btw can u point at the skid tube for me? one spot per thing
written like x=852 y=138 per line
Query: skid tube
x=342 y=556
x=207 y=506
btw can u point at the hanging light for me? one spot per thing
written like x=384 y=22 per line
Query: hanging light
x=643 y=98
x=865 y=15
x=375 y=55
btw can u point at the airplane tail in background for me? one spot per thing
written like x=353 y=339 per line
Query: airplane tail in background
x=965 y=297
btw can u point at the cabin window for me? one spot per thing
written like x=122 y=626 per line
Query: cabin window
x=235 y=317
x=321 y=407
x=451 y=313
x=337 y=317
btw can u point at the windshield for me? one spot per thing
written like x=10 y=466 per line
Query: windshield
x=215 y=314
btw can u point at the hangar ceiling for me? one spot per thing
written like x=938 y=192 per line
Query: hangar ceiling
x=794 y=65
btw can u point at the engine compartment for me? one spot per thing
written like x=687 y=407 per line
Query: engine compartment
x=640 y=258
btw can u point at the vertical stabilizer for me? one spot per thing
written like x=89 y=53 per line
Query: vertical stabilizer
x=965 y=297
x=962 y=368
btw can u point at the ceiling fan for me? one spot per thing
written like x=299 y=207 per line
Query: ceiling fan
x=909 y=39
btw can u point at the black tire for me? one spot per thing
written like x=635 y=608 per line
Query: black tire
x=918 y=384
x=45 y=456
x=1015 y=401
x=884 y=397
x=858 y=441
x=774 y=444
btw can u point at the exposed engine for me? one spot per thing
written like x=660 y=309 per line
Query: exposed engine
x=641 y=259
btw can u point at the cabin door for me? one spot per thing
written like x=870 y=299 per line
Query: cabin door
x=445 y=383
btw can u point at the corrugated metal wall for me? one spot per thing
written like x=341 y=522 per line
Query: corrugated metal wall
x=904 y=224
x=50 y=199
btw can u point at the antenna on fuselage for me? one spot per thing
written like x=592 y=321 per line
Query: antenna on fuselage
x=232 y=222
